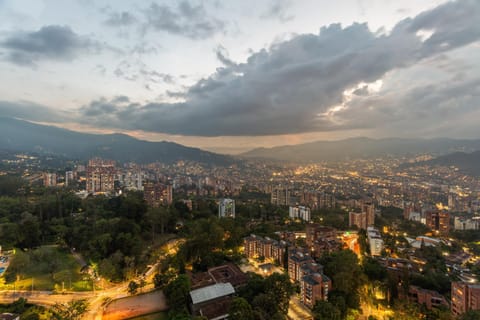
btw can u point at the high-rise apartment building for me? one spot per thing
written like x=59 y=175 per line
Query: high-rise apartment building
x=100 y=176
x=438 y=221
x=300 y=212
x=363 y=219
x=375 y=241
x=226 y=208
x=50 y=179
x=69 y=178
x=158 y=194
x=280 y=196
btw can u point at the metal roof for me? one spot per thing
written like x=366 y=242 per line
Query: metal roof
x=215 y=291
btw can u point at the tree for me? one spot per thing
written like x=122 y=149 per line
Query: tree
x=18 y=306
x=72 y=310
x=265 y=305
x=160 y=280
x=324 y=310
x=346 y=274
x=177 y=294
x=281 y=288
x=133 y=287
x=240 y=310
x=470 y=315
x=374 y=270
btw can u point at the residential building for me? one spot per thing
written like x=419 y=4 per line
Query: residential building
x=255 y=246
x=375 y=241
x=431 y=299
x=358 y=219
x=369 y=209
x=158 y=194
x=438 y=221
x=465 y=297
x=463 y=223
x=50 y=179
x=226 y=208
x=280 y=196
x=100 y=176
x=314 y=287
x=315 y=231
x=69 y=176
x=299 y=212
x=296 y=259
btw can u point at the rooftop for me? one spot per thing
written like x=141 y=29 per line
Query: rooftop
x=212 y=292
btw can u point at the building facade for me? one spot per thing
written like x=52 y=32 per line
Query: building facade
x=300 y=212
x=465 y=297
x=226 y=208
x=158 y=194
x=100 y=176
x=438 y=221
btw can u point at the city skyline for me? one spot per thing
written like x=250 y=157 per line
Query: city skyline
x=224 y=77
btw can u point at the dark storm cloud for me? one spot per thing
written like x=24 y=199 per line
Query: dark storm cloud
x=49 y=43
x=118 y=19
x=185 y=19
x=290 y=87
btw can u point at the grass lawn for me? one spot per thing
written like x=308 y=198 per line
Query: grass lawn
x=152 y=316
x=49 y=267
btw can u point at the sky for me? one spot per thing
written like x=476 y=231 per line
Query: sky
x=229 y=76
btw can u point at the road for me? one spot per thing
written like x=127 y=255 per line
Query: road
x=96 y=299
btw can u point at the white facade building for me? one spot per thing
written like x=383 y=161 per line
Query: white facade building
x=300 y=212
x=226 y=208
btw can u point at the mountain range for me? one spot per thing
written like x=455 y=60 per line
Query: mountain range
x=467 y=162
x=362 y=148
x=22 y=136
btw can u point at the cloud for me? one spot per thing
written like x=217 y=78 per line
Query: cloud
x=339 y=79
x=49 y=43
x=136 y=70
x=278 y=9
x=296 y=85
x=119 y=19
x=191 y=21
x=428 y=110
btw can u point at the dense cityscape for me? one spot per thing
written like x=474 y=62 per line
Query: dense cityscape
x=375 y=238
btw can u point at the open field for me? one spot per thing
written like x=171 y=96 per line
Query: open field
x=145 y=304
x=45 y=268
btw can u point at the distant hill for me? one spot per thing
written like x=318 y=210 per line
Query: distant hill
x=466 y=162
x=362 y=148
x=18 y=135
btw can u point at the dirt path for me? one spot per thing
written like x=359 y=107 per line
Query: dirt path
x=135 y=306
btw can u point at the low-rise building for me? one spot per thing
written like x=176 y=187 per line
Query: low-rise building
x=429 y=298
x=212 y=301
x=465 y=297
